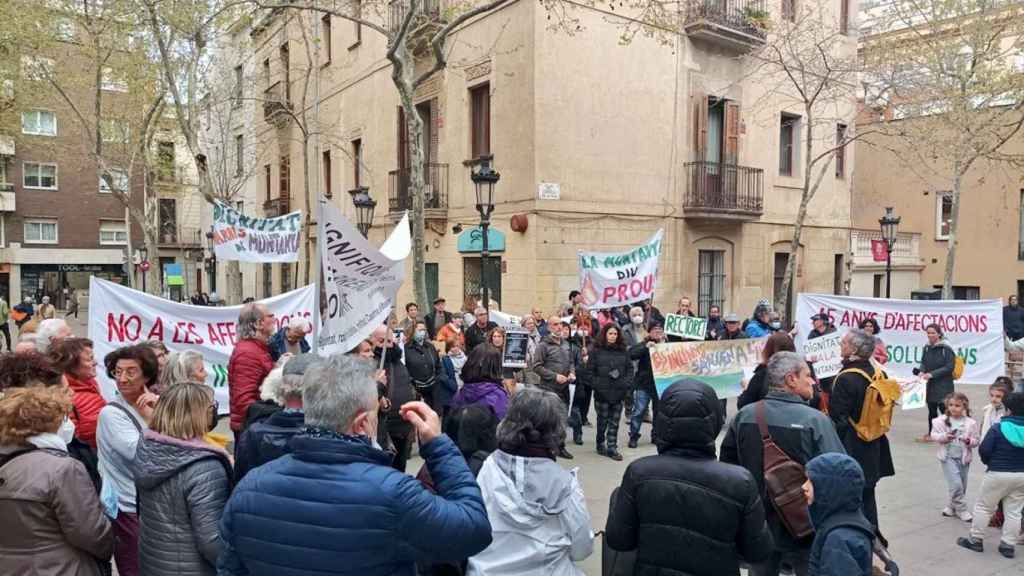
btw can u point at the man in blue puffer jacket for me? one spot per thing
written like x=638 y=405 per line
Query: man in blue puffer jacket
x=843 y=536
x=335 y=505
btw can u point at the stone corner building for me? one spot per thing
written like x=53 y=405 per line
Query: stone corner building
x=599 y=145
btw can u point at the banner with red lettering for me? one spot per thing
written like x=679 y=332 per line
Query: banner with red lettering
x=120 y=316
x=974 y=328
x=613 y=279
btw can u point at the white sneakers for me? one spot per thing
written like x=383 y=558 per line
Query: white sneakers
x=948 y=512
x=965 y=516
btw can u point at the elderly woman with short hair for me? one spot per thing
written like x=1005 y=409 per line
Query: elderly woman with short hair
x=53 y=522
x=537 y=509
x=74 y=357
x=121 y=424
x=183 y=484
x=847 y=402
x=184 y=366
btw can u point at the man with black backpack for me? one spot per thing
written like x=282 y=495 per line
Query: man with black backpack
x=849 y=391
x=787 y=431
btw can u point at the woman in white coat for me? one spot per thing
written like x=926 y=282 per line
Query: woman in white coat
x=537 y=510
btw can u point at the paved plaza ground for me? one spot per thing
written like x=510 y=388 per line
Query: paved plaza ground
x=921 y=539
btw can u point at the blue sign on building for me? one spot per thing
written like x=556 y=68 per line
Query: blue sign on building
x=472 y=240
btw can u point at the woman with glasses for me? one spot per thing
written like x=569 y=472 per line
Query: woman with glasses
x=183 y=484
x=120 y=427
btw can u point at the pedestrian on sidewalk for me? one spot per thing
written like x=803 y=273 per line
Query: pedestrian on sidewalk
x=611 y=376
x=842 y=535
x=5 y=328
x=937 y=363
x=183 y=483
x=957 y=435
x=72 y=297
x=46 y=310
x=849 y=392
x=336 y=506
x=536 y=508
x=800 y=431
x=1002 y=450
x=715 y=515
x=553 y=363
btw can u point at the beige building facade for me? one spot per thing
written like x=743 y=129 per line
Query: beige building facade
x=599 y=145
x=990 y=258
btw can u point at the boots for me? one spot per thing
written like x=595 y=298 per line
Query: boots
x=577 y=436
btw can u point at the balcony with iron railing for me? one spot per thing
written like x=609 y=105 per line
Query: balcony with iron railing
x=423 y=25
x=736 y=25
x=723 y=191
x=435 y=192
x=277 y=104
x=276 y=207
x=173 y=235
x=905 y=252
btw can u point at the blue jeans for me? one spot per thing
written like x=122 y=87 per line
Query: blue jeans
x=641 y=398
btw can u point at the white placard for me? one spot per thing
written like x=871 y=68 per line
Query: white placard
x=824 y=352
x=360 y=281
x=239 y=237
x=120 y=316
x=613 y=279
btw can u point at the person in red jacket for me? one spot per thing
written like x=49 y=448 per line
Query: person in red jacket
x=250 y=360
x=74 y=357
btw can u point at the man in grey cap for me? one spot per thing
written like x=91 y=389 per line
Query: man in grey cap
x=732 y=329
x=268 y=440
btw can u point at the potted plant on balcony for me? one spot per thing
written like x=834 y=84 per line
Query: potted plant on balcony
x=757 y=18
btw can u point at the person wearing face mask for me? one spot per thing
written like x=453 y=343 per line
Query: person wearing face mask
x=634 y=331
x=286 y=513
x=422 y=362
x=182 y=483
x=53 y=523
x=120 y=427
x=398 y=388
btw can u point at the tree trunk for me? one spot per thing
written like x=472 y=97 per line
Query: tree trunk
x=232 y=291
x=151 y=236
x=402 y=76
x=309 y=208
x=789 y=278
x=954 y=218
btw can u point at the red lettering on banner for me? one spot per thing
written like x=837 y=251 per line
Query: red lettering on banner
x=157 y=331
x=185 y=333
x=123 y=328
x=222 y=333
x=609 y=292
x=213 y=336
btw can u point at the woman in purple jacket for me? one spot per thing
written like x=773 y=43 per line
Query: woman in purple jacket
x=481 y=377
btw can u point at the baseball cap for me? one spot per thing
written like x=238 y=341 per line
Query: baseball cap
x=731 y=317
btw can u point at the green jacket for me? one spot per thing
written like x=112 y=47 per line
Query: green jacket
x=5 y=310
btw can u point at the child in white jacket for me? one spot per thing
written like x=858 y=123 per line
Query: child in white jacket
x=994 y=410
x=957 y=435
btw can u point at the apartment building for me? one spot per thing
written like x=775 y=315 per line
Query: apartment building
x=60 y=223
x=599 y=145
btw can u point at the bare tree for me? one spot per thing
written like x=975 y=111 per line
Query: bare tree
x=946 y=78
x=804 y=70
x=107 y=83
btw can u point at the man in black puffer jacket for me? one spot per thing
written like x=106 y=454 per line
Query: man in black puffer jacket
x=716 y=517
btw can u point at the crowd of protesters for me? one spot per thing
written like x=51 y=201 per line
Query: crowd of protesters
x=315 y=480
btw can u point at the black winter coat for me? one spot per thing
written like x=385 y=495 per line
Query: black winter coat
x=1013 y=322
x=475 y=335
x=756 y=389
x=423 y=364
x=183 y=487
x=399 y=391
x=267 y=440
x=845 y=404
x=644 y=379
x=684 y=512
x=939 y=361
x=611 y=374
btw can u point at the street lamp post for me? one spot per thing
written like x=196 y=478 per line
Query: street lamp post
x=364 y=209
x=143 y=253
x=889 y=223
x=484 y=178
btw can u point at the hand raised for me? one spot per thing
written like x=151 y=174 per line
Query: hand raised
x=423 y=419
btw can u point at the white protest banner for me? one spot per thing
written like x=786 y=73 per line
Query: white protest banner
x=506 y=321
x=360 y=281
x=611 y=279
x=240 y=237
x=120 y=316
x=974 y=328
x=689 y=327
x=824 y=352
